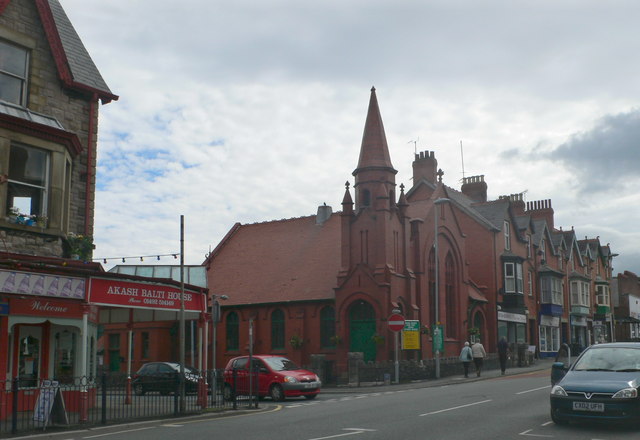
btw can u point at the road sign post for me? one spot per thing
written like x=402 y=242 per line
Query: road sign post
x=396 y=323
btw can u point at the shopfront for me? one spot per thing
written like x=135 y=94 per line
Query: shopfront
x=513 y=327
x=50 y=322
x=549 y=335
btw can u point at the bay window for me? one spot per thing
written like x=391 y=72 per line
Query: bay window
x=551 y=290
x=28 y=179
x=513 y=281
x=602 y=295
x=580 y=293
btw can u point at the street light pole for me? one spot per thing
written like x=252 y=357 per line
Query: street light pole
x=436 y=331
x=182 y=328
x=215 y=319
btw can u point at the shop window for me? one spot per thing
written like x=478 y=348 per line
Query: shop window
x=549 y=338
x=328 y=327
x=14 y=65
x=233 y=331
x=277 y=329
x=64 y=358
x=28 y=185
x=28 y=362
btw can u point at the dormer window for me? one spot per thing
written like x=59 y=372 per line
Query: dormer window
x=543 y=250
x=507 y=235
x=14 y=63
x=528 y=246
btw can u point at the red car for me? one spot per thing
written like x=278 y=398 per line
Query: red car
x=273 y=376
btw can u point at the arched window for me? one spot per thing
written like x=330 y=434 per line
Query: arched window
x=233 y=331
x=366 y=197
x=450 y=297
x=277 y=329
x=327 y=327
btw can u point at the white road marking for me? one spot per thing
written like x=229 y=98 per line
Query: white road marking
x=352 y=432
x=534 y=435
x=172 y=425
x=535 y=389
x=548 y=423
x=119 y=432
x=454 y=408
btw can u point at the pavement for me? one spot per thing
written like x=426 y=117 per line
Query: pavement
x=539 y=365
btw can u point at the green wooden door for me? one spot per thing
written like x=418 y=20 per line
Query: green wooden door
x=362 y=326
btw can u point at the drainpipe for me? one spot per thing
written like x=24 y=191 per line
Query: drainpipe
x=87 y=204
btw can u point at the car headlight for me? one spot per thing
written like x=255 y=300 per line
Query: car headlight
x=627 y=393
x=557 y=390
x=290 y=379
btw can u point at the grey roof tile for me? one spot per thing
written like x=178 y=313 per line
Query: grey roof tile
x=82 y=68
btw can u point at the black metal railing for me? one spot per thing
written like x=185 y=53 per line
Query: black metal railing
x=108 y=398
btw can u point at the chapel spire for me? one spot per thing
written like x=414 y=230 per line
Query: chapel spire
x=374 y=152
x=375 y=176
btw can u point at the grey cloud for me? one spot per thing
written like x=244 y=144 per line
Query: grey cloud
x=606 y=155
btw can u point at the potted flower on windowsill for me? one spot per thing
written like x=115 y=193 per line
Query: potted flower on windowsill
x=80 y=246
x=336 y=339
x=377 y=339
x=296 y=341
x=13 y=214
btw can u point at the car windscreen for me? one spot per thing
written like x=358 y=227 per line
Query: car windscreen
x=609 y=359
x=281 y=364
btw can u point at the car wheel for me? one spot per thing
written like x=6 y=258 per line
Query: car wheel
x=227 y=392
x=277 y=393
x=310 y=396
x=557 y=420
x=138 y=389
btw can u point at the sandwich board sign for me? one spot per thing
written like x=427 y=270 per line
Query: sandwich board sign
x=50 y=405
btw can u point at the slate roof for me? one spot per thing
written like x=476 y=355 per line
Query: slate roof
x=83 y=70
x=277 y=261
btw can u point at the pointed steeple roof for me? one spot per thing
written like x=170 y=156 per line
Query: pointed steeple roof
x=374 y=152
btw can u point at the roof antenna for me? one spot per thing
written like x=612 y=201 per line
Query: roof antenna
x=415 y=145
x=462 y=156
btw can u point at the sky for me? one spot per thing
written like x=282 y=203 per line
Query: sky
x=251 y=110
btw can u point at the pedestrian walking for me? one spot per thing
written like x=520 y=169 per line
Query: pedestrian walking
x=466 y=356
x=503 y=352
x=479 y=354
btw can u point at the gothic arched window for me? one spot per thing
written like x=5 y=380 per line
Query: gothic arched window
x=277 y=329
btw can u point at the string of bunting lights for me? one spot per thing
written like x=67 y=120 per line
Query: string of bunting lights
x=137 y=257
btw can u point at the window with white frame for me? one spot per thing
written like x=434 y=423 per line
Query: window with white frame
x=549 y=338
x=580 y=293
x=28 y=186
x=513 y=281
x=530 y=283
x=551 y=290
x=602 y=294
x=543 y=250
x=528 y=246
x=14 y=64
x=507 y=235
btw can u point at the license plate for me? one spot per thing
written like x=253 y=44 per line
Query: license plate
x=588 y=406
x=310 y=385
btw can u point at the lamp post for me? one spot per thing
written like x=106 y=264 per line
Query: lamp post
x=439 y=201
x=215 y=319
